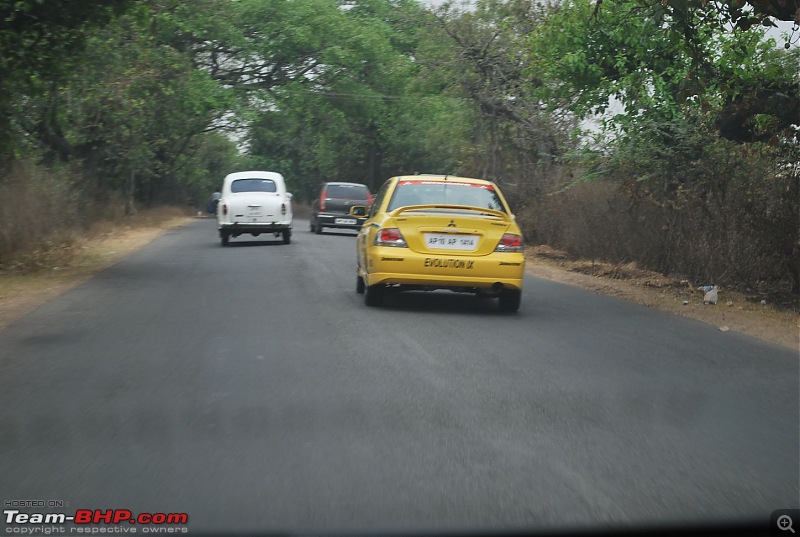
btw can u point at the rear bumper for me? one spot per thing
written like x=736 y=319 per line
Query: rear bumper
x=253 y=227
x=330 y=220
x=401 y=266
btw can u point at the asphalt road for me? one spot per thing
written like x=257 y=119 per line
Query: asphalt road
x=251 y=388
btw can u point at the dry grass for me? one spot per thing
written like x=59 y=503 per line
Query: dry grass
x=69 y=248
x=38 y=205
x=739 y=234
x=33 y=277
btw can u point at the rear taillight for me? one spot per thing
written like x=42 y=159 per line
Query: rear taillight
x=283 y=208
x=369 y=199
x=322 y=199
x=224 y=209
x=390 y=237
x=509 y=243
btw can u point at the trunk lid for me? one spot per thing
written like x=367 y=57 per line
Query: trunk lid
x=255 y=207
x=449 y=231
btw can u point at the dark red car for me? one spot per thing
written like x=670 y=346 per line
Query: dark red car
x=332 y=207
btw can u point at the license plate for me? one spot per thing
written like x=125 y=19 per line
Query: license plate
x=446 y=241
x=345 y=221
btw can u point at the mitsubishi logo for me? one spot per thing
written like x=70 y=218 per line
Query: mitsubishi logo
x=452 y=224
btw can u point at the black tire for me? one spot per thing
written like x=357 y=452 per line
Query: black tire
x=317 y=228
x=287 y=236
x=509 y=300
x=311 y=227
x=373 y=295
x=360 y=285
x=224 y=238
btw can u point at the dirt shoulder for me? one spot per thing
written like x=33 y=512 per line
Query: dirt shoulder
x=738 y=312
x=33 y=278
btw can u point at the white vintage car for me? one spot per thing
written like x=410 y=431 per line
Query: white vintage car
x=254 y=202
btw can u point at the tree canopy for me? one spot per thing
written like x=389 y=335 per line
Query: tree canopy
x=154 y=100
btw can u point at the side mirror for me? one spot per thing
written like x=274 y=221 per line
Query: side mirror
x=358 y=210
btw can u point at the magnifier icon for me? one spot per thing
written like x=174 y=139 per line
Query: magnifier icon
x=785 y=523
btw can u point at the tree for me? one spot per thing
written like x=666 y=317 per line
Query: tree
x=638 y=56
x=39 y=42
x=512 y=138
x=128 y=111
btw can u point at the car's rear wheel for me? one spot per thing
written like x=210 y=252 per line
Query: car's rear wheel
x=317 y=228
x=360 y=285
x=287 y=236
x=509 y=300
x=224 y=237
x=311 y=225
x=373 y=295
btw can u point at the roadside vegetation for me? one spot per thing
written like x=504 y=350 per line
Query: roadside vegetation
x=625 y=131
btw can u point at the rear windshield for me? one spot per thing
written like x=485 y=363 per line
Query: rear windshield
x=346 y=192
x=254 y=185
x=448 y=193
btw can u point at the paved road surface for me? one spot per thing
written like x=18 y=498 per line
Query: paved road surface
x=250 y=387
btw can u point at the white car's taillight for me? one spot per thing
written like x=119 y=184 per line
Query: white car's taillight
x=224 y=209
x=283 y=208
x=390 y=237
x=510 y=243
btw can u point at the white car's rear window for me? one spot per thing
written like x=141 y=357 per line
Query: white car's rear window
x=254 y=185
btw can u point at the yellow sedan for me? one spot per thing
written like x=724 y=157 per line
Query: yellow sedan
x=428 y=232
